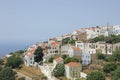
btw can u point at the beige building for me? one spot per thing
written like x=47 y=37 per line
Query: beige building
x=74 y=52
x=116 y=46
x=54 y=47
x=73 y=70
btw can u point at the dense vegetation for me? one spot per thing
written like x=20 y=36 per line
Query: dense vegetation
x=14 y=62
x=96 y=76
x=109 y=67
x=72 y=59
x=114 y=57
x=17 y=53
x=38 y=54
x=116 y=74
x=58 y=70
x=100 y=56
x=110 y=39
x=7 y=74
x=50 y=59
x=68 y=40
x=1 y=61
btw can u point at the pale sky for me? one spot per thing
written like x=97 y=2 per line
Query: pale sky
x=35 y=20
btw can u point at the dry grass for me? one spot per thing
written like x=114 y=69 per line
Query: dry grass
x=29 y=71
x=63 y=78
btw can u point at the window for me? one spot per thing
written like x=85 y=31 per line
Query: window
x=97 y=30
x=30 y=58
x=116 y=47
x=96 y=46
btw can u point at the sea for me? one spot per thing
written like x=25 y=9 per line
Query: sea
x=6 y=48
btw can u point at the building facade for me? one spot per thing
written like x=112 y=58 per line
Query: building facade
x=73 y=70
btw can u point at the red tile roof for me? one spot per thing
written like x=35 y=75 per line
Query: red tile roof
x=73 y=64
x=59 y=59
x=55 y=44
x=43 y=45
x=29 y=54
x=75 y=48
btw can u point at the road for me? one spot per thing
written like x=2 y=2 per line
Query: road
x=45 y=69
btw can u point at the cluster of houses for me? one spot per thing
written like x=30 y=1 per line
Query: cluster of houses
x=72 y=69
x=80 y=50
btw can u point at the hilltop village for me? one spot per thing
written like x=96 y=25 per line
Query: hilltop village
x=81 y=45
x=77 y=55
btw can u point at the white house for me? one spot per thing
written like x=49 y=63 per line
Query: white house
x=80 y=45
x=86 y=58
x=114 y=30
x=74 y=52
x=104 y=31
x=29 y=56
x=91 y=51
x=92 y=32
x=59 y=38
x=29 y=59
x=73 y=70
x=86 y=47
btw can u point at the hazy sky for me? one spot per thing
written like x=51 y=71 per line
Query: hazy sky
x=35 y=20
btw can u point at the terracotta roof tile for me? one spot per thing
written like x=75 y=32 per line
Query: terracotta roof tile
x=29 y=54
x=75 y=48
x=59 y=59
x=73 y=64
x=55 y=44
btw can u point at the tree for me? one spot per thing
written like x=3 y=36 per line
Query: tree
x=96 y=39
x=109 y=67
x=50 y=60
x=65 y=41
x=100 y=56
x=64 y=56
x=1 y=61
x=7 y=74
x=71 y=41
x=116 y=55
x=67 y=60
x=116 y=74
x=38 y=54
x=14 y=62
x=1 y=68
x=96 y=76
x=58 y=70
x=110 y=59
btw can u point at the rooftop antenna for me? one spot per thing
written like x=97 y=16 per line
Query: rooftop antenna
x=107 y=25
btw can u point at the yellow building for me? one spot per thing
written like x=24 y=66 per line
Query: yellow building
x=73 y=70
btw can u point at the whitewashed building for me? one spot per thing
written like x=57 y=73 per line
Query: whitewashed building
x=86 y=58
x=86 y=47
x=80 y=45
x=92 y=32
x=104 y=31
x=29 y=55
x=114 y=30
x=29 y=59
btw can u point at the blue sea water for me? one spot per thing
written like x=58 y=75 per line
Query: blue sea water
x=6 y=48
